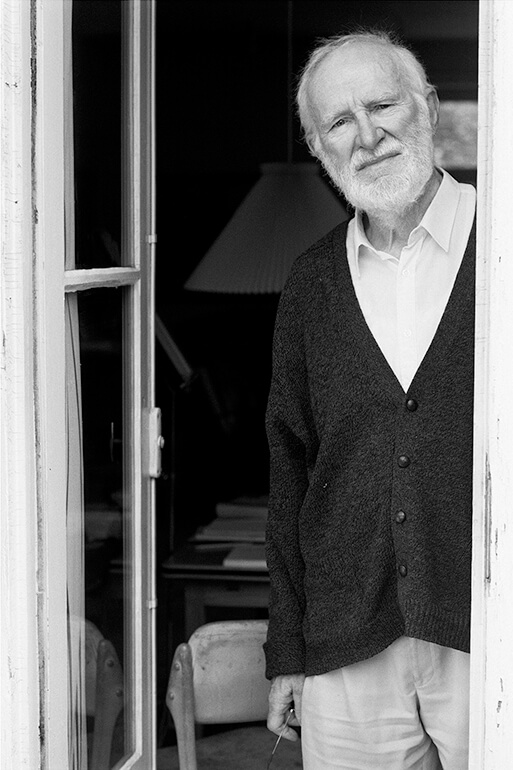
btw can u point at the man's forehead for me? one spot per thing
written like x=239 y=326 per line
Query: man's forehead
x=356 y=67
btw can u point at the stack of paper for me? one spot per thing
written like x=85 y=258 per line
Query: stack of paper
x=233 y=529
x=247 y=507
x=241 y=520
x=246 y=556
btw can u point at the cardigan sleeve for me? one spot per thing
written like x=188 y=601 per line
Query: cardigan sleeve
x=290 y=434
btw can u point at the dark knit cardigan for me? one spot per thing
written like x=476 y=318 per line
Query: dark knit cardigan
x=370 y=509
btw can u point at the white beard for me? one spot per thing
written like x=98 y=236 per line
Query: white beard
x=387 y=196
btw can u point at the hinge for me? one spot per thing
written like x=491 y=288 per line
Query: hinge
x=155 y=443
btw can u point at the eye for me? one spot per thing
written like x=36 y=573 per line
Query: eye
x=340 y=122
x=383 y=106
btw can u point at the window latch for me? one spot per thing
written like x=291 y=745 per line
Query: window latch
x=155 y=443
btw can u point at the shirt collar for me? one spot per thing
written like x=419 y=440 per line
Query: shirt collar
x=438 y=220
x=440 y=217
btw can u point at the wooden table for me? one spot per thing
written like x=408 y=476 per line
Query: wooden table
x=196 y=576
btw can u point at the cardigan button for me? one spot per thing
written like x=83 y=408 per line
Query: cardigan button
x=411 y=405
x=403 y=461
x=403 y=570
x=400 y=516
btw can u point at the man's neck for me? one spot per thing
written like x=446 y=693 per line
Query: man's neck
x=389 y=231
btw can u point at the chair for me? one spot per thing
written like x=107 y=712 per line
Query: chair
x=104 y=695
x=218 y=677
x=109 y=703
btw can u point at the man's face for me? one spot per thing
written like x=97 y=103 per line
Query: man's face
x=374 y=138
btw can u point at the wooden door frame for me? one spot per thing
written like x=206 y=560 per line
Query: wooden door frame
x=491 y=725
x=34 y=35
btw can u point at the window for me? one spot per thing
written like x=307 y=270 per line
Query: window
x=109 y=376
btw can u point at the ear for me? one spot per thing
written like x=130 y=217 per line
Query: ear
x=314 y=147
x=311 y=138
x=434 y=108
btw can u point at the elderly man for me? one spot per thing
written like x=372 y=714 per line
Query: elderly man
x=370 y=433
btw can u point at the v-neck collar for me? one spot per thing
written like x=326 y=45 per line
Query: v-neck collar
x=347 y=309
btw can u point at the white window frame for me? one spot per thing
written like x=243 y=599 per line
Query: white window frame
x=33 y=283
x=491 y=725
x=32 y=514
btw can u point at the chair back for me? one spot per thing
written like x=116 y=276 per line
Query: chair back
x=217 y=677
x=227 y=668
x=109 y=702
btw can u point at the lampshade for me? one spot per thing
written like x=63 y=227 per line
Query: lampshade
x=288 y=209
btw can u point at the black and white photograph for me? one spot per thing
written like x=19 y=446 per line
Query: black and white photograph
x=256 y=300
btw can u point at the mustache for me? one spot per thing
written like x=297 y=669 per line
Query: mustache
x=364 y=157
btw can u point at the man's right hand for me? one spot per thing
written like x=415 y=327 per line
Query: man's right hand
x=286 y=692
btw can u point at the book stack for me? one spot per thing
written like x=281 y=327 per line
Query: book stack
x=246 y=556
x=240 y=521
x=245 y=507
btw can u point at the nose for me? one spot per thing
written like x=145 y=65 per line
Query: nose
x=369 y=135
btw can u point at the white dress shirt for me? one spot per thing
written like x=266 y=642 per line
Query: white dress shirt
x=403 y=299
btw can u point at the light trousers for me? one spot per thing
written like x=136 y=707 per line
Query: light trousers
x=404 y=709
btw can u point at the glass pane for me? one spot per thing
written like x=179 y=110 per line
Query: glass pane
x=99 y=525
x=97 y=132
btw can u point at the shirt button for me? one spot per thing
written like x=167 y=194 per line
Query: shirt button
x=411 y=405
x=400 y=516
x=403 y=570
x=403 y=461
